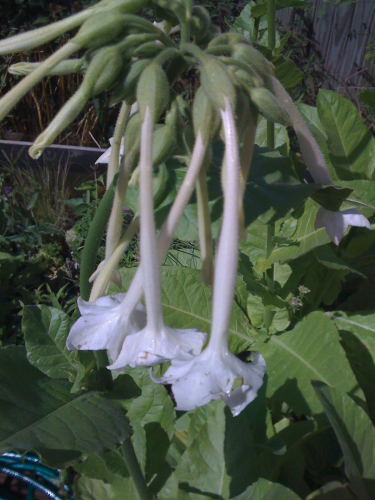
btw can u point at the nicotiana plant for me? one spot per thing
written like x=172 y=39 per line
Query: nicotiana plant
x=196 y=172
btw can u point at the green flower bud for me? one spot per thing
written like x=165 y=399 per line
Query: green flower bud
x=163 y=144
x=253 y=58
x=200 y=22
x=103 y=71
x=176 y=66
x=153 y=92
x=101 y=29
x=269 y=106
x=229 y=39
x=132 y=132
x=248 y=79
x=217 y=83
x=205 y=117
x=149 y=49
x=64 y=68
x=126 y=86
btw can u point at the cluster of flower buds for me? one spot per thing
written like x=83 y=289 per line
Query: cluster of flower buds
x=138 y=62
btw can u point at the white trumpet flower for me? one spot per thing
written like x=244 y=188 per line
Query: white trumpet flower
x=212 y=374
x=156 y=343
x=106 y=322
x=336 y=223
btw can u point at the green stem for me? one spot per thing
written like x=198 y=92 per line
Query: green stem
x=271 y=45
x=185 y=32
x=135 y=470
x=271 y=18
x=270 y=144
x=93 y=241
x=104 y=375
x=256 y=29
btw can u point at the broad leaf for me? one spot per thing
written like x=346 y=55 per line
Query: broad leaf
x=350 y=142
x=265 y=490
x=333 y=491
x=304 y=239
x=273 y=189
x=260 y=9
x=309 y=352
x=53 y=422
x=311 y=117
x=110 y=469
x=358 y=336
x=92 y=489
x=46 y=329
x=187 y=304
x=220 y=458
x=355 y=432
x=281 y=134
x=368 y=97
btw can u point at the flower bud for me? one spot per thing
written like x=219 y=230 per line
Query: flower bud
x=153 y=92
x=103 y=71
x=217 y=83
x=205 y=117
x=229 y=39
x=200 y=22
x=253 y=58
x=64 y=68
x=132 y=132
x=269 y=106
x=149 y=49
x=126 y=86
x=101 y=29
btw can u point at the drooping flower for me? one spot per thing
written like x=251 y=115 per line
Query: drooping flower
x=156 y=342
x=212 y=374
x=104 y=324
x=107 y=321
x=336 y=223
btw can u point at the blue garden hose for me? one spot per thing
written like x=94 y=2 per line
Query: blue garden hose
x=42 y=478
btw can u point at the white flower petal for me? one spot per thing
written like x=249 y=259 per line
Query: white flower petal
x=149 y=347
x=336 y=223
x=210 y=376
x=104 y=158
x=105 y=325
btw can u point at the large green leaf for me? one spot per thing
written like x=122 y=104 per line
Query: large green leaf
x=39 y=413
x=260 y=9
x=311 y=117
x=361 y=325
x=333 y=491
x=368 y=97
x=311 y=351
x=358 y=336
x=220 y=458
x=265 y=490
x=46 y=329
x=187 y=304
x=273 y=189
x=152 y=416
x=304 y=239
x=281 y=134
x=355 y=432
x=350 y=142
x=109 y=468
x=92 y=489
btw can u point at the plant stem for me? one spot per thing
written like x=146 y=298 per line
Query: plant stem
x=135 y=470
x=104 y=375
x=256 y=29
x=271 y=145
